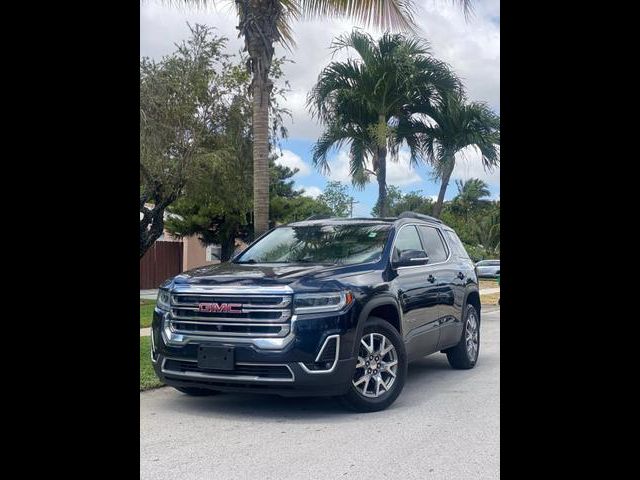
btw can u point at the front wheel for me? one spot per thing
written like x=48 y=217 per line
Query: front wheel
x=465 y=354
x=381 y=369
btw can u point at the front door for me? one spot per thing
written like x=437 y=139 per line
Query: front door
x=419 y=298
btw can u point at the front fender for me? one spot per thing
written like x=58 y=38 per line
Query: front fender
x=377 y=301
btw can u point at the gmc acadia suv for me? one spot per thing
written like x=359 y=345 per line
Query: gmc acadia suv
x=321 y=307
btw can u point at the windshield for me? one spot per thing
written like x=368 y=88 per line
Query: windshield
x=341 y=244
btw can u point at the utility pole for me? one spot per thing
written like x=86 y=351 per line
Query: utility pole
x=351 y=208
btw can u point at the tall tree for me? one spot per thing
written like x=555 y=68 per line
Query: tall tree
x=263 y=23
x=175 y=96
x=458 y=125
x=369 y=102
x=336 y=196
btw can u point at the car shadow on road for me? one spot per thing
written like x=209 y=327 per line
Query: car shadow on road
x=252 y=407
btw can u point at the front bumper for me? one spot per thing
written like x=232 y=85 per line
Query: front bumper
x=292 y=359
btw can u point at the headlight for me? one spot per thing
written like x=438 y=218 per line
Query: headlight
x=163 y=300
x=321 y=302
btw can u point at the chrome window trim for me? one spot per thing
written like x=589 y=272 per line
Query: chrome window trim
x=335 y=360
x=393 y=244
x=214 y=376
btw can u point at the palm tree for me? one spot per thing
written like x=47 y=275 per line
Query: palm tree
x=470 y=195
x=369 y=102
x=458 y=125
x=262 y=23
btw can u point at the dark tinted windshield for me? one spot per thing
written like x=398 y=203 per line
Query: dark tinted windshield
x=342 y=244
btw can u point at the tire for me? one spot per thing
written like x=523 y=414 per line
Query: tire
x=460 y=357
x=196 y=392
x=355 y=399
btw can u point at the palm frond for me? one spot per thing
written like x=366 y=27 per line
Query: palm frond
x=381 y=14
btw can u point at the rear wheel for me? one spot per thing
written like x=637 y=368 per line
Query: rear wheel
x=465 y=354
x=196 y=392
x=381 y=369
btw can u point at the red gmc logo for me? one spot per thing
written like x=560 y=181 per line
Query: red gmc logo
x=220 y=307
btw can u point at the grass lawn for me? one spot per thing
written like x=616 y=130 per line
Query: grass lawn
x=146 y=312
x=488 y=283
x=491 y=299
x=148 y=377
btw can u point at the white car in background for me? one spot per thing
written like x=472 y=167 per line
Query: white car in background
x=488 y=268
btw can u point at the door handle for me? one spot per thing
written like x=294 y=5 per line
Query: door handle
x=431 y=278
x=460 y=275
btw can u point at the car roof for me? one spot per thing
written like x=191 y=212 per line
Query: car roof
x=403 y=218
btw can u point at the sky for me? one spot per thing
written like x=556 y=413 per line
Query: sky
x=471 y=47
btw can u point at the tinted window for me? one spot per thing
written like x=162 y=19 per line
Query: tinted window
x=456 y=244
x=433 y=245
x=341 y=244
x=407 y=239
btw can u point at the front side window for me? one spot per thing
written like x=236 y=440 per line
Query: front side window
x=335 y=244
x=407 y=239
x=433 y=245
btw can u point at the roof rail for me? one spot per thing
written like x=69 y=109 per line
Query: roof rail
x=317 y=216
x=419 y=216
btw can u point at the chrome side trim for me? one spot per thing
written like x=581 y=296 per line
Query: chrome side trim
x=153 y=347
x=211 y=376
x=335 y=360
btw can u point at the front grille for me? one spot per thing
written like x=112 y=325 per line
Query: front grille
x=254 y=370
x=253 y=315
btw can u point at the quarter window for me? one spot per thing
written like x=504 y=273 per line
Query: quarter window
x=433 y=244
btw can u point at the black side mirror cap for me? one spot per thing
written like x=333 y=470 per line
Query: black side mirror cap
x=410 y=258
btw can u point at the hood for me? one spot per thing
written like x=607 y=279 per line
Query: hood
x=297 y=275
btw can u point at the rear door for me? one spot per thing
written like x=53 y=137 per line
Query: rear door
x=442 y=267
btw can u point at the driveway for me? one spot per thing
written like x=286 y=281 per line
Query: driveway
x=444 y=425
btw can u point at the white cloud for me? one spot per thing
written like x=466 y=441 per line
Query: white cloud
x=399 y=172
x=471 y=47
x=469 y=165
x=293 y=161
x=311 y=191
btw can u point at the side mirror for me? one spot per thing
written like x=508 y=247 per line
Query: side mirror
x=411 y=257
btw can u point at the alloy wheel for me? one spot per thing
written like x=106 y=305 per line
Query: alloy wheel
x=377 y=365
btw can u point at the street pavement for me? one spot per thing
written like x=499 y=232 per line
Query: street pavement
x=444 y=425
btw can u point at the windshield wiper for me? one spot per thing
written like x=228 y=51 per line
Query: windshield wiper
x=251 y=260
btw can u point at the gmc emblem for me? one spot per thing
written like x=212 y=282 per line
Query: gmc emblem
x=220 y=307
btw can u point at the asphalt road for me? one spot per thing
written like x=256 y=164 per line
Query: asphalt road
x=444 y=425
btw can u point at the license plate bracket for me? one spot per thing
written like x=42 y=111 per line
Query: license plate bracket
x=214 y=357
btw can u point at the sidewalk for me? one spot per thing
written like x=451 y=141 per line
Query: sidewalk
x=149 y=294
x=489 y=291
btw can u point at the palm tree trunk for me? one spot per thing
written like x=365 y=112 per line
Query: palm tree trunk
x=381 y=175
x=446 y=176
x=261 y=94
x=258 y=21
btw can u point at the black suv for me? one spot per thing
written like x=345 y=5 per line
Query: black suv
x=321 y=307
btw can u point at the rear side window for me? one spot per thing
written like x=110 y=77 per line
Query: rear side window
x=407 y=239
x=433 y=244
x=456 y=244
